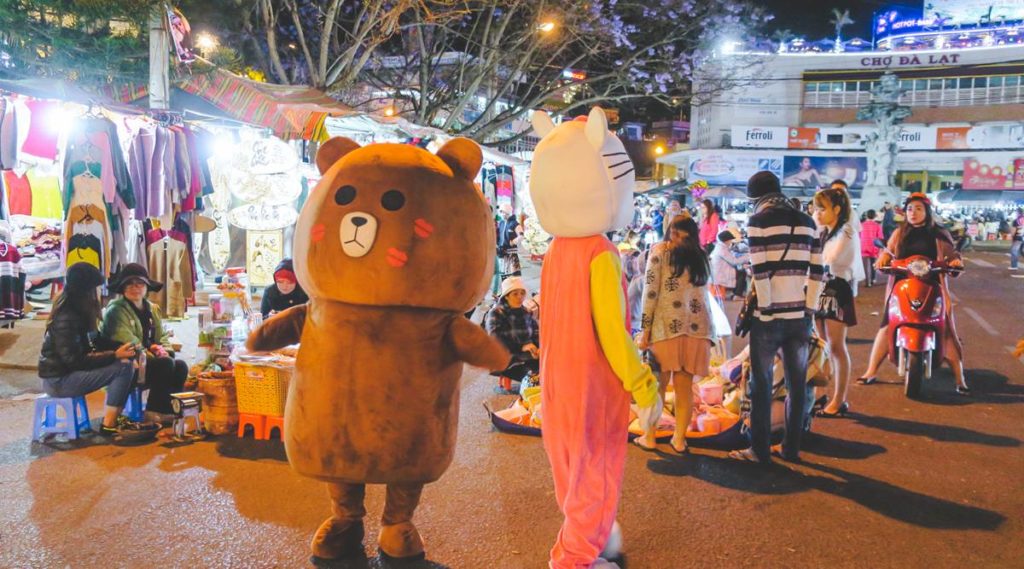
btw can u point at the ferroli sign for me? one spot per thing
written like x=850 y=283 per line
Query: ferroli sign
x=760 y=136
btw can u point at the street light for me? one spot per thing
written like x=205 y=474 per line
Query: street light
x=659 y=150
x=546 y=27
x=206 y=42
x=389 y=112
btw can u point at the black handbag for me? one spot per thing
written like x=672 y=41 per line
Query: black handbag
x=745 y=319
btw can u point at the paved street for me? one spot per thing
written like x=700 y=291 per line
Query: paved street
x=933 y=483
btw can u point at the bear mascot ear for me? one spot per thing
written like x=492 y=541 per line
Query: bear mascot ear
x=332 y=151
x=597 y=128
x=463 y=156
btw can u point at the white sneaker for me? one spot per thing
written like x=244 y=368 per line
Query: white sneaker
x=613 y=547
x=604 y=564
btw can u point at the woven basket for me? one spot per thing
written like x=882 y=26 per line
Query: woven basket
x=261 y=389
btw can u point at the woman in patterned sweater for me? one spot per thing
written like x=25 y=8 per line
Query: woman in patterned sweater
x=676 y=324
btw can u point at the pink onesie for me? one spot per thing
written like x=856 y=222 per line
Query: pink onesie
x=585 y=406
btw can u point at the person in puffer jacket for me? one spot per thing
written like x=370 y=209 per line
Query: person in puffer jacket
x=75 y=359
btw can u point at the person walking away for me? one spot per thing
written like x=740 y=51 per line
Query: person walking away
x=633 y=268
x=889 y=223
x=676 y=324
x=284 y=293
x=76 y=360
x=509 y=235
x=134 y=319
x=658 y=223
x=869 y=231
x=920 y=235
x=1017 y=242
x=709 y=220
x=836 y=309
x=785 y=253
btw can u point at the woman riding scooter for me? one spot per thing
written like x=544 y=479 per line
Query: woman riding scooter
x=919 y=235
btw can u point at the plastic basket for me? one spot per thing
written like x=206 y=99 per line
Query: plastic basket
x=261 y=389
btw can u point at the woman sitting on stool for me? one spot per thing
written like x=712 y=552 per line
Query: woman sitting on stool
x=514 y=326
x=75 y=360
x=132 y=318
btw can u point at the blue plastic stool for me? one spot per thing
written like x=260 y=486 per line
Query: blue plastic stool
x=133 y=407
x=45 y=421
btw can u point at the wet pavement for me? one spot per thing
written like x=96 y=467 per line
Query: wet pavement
x=932 y=483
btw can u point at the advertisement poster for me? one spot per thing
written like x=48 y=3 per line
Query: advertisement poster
x=731 y=169
x=263 y=251
x=804 y=138
x=1018 y=175
x=181 y=35
x=810 y=172
x=952 y=138
x=989 y=174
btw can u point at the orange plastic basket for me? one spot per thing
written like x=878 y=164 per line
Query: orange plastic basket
x=261 y=389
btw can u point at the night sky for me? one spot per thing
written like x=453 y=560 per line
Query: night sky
x=810 y=18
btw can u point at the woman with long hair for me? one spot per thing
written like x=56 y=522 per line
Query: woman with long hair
x=709 y=221
x=920 y=235
x=76 y=360
x=676 y=324
x=836 y=312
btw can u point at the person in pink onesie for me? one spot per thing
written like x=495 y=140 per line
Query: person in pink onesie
x=581 y=184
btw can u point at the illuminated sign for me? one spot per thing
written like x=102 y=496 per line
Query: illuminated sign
x=977 y=11
x=574 y=75
x=910 y=60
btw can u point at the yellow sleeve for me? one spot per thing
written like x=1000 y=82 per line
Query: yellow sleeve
x=608 y=308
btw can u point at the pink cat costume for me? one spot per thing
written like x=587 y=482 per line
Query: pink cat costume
x=581 y=184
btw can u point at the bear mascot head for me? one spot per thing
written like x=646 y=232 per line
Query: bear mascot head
x=392 y=247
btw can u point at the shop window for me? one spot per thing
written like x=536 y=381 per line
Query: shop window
x=935 y=85
x=851 y=86
x=995 y=82
x=980 y=82
x=866 y=85
x=907 y=85
x=921 y=85
x=965 y=82
x=950 y=83
x=1011 y=81
x=836 y=86
x=810 y=87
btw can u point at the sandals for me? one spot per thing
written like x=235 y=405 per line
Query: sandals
x=639 y=442
x=683 y=449
x=867 y=380
x=746 y=455
x=844 y=408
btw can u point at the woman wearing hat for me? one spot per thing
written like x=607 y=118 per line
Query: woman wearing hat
x=76 y=360
x=132 y=318
x=284 y=293
x=511 y=323
x=920 y=235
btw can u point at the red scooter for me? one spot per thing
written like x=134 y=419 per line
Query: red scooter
x=917 y=319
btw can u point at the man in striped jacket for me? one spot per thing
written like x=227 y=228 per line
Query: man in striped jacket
x=785 y=252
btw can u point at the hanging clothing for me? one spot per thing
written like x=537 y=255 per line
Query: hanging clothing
x=8 y=135
x=83 y=186
x=12 y=283
x=46 y=196
x=41 y=139
x=169 y=264
x=96 y=140
x=92 y=221
x=135 y=243
x=19 y=193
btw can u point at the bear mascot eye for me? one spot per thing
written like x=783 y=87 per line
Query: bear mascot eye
x=392 y=200
x=345 y=195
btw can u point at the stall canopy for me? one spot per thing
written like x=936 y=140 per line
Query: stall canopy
x=291 y=112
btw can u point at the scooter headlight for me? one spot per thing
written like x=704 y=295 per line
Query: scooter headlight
x=937 y=309
x=919 y=268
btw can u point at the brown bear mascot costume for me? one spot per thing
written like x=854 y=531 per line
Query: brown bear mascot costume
x=393 y=246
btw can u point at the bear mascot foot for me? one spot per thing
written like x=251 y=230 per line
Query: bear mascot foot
x=401 y=542
x=338 y=539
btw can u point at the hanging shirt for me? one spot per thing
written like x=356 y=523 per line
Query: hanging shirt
x=83 y=186
x=41 y=140
x=12 y=283
x=46 y=197
x=19 y=193
x=8 y=135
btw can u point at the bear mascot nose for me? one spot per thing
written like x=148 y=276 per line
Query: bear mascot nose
x=358 y=221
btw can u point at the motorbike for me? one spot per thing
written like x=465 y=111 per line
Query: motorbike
x=917 y=318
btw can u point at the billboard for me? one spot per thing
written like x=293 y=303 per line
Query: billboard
x=810 y=172
x=993 y=172
x=974 y=11
x=759 y=136
x=730 y=169
x=803 y=138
